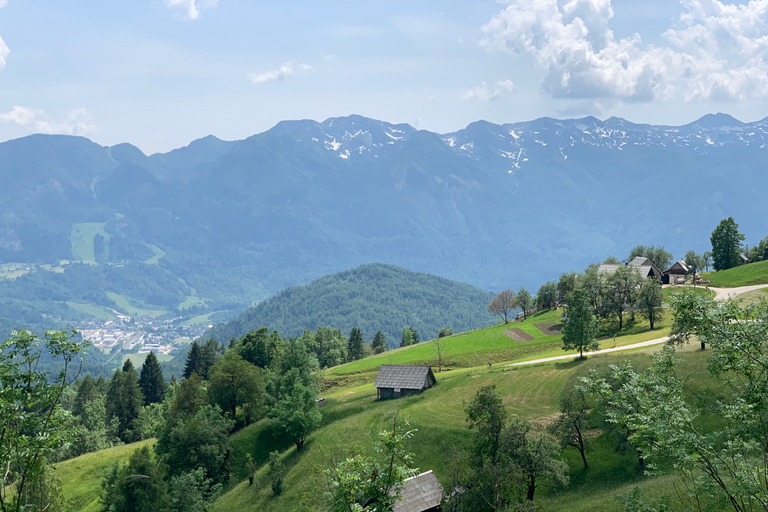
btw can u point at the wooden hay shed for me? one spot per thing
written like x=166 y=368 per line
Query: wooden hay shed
x=395 y=380
x=421 y=493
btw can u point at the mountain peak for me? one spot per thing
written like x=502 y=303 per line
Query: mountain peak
x=718 y=120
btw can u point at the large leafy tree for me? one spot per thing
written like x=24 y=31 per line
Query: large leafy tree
x=124 y=401
x=649 y=301
x=525 y=301
x=571 y=425
x=151 y=380
x=695 y=263
x=547 y=295
x=724 y=465
x=259 y=347
x=581 y=326
x=234 y=382
x=503 y=305
x=726 y=244
x=622 y=286
x=138 y=486
x=33 y=424
x=372 y=484
x=292 y=391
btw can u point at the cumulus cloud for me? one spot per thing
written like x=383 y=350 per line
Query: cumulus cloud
x=189 y=9
x=77 y=122
x=287 y=69
x=487 y=93
x=714 y=50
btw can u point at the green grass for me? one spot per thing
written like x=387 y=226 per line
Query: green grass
x=99 y=312
x=138 y=359
x=81 y=477
x=473 y=348
x=745 y=275
x=668 y=291
x=753 y=297
x=159 y=254
x=200 y=319
x=81 y=239
x=191 y=301
x=124 y=303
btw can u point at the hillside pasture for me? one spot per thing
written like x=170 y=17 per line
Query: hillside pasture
x=81 y=477
x=744 y=275
x=81 y=240
x=125 y=304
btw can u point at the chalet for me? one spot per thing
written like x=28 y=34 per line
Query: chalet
x=677 y=271
x=421 y=493
x=643 y=265
x=394 y=381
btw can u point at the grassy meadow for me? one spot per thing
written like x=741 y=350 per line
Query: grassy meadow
x=744 y=275
x=81 y=239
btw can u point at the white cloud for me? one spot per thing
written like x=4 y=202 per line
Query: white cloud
x=189 y=9
x=486 y=93
x=78 y=121
x=3 y=3
x=287 y=69
x=715 y=50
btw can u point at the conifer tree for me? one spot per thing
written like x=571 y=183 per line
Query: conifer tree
x=414 y=336
x=356 y=344
x=87 y=392
x=151 y=380
x=124 y=401
x=379 y=343
x=194 y=361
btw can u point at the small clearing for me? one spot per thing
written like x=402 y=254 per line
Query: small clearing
x=550 y=328
x=518 y=335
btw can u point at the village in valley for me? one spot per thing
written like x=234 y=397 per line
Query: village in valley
x=139 y=334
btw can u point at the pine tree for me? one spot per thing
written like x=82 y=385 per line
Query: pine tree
x=379 y=343
x=87 y=392
x=414 y=336
x=124 y=401
x=151 y=380
x=356 y=344
x=194 y=361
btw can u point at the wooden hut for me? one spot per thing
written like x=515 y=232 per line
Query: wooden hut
x=394 y=380
x=421 y=493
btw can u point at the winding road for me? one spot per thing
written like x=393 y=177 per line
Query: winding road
x=720 y=294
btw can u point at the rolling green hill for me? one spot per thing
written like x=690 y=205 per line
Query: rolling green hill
x=744 y=275
x=374 y=297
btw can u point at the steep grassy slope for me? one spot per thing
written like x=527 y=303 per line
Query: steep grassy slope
x=81 y=477
x=492 y=345
x=373 y=297
x=745 y=275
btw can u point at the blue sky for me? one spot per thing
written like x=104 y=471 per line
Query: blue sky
x=161 y=73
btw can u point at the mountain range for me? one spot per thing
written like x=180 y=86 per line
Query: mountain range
x=230 y=223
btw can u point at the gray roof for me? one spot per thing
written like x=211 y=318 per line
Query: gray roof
x=402 y=376
x=679 y=265
x=419 y=493
x=639 y=261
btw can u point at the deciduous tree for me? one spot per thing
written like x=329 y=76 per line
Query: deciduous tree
x=234 y=382
x=503 y=305
x=581 y=326
x=726 y=244
x=525 y=301
x=621 y=290
x=33 y=424
x=649 y=300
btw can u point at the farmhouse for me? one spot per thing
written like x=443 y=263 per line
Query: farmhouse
x=643 y=265
x=394 y=381
x=677 y=271
x=421 y=493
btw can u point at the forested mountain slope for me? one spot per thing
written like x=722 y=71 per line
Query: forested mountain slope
x=373 y=298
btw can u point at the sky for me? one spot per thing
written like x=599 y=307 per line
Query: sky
x=161 y=73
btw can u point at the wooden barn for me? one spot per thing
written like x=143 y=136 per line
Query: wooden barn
x=421 y=493
x=677 y=271
x=394 y=380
